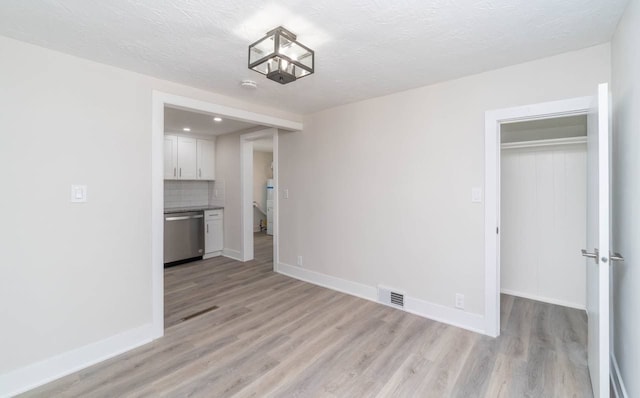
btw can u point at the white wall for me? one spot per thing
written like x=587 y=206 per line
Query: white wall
x=228 y=186
x=75 y=274
x=626 y=196
x=261 y=172
x=228 y=176
x=543 y=222
x=380 y=190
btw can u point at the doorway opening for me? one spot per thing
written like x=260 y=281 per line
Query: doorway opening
x=494 y=122
x=259 y=187
x=543 y=210
x=597 y=268
x=201 y=154
x=232 y=224
x=263 y=199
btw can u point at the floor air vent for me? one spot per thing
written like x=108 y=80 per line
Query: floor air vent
x=390 y=297
x=186 y=318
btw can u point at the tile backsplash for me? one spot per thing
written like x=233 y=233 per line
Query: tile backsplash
x=186 y=193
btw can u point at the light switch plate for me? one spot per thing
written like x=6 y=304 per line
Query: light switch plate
x=476 y=195
x=78 y=193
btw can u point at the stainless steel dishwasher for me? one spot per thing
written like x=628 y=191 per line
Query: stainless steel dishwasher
x=183 y=236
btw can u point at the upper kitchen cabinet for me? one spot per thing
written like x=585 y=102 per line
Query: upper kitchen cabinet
x=187 y=158
x=170 y=157
x=187 y=165
x=206 y=152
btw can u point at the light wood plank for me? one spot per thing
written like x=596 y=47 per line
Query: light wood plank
x=273 y=336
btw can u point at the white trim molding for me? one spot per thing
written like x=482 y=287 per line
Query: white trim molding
x=212 y=255
x=444 y=314
x=330 y=282
x=232 y=254
x=39 y=373
x=186 y=103
x=425 y=309
x=493 y=120
x=616 y=379
x=545 y=143
x=544 y=299
x=246 y=190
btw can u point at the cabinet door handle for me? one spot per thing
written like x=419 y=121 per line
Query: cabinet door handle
x=200 y=171
x=180 y=171
x=174 y=171
x=207 y=228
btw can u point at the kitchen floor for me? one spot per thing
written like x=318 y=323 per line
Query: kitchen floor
x=265 y=334
x=195 y=288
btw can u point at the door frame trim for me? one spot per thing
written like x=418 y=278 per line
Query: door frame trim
x=246 y=191
x=493 y=120
x=158 y=101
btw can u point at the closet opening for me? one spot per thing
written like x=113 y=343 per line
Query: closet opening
x=543 y=210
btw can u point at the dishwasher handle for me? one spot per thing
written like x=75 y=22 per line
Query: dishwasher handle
x=178 y=218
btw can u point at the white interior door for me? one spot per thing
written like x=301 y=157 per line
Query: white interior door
x=597 y=250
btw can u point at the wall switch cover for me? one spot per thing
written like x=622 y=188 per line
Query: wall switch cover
x=78 y=193
x=476 y=195
x=286 y=194
x=460 y=301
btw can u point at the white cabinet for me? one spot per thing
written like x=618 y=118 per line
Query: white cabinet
x=187 y=158
x=170 y=157
x=206 y=153
x=213 y=233
x=187 y=166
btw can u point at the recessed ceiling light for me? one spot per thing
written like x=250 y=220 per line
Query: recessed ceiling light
x=217 y=119
x=186 y=129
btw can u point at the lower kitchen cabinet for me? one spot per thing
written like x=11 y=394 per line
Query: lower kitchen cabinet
x=213 y=233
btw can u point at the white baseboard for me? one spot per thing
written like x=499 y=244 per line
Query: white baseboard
x=444 y=314
x=233 y=254
x=544 y=299
x=331 y=282
x=212 y=254
x=425 y=309
x=616 y=379
x=39 y=373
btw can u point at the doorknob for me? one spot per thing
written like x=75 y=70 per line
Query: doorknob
x=616 y=257
x=593 y=255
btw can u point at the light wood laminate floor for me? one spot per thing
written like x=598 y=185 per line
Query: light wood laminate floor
x=273 y=336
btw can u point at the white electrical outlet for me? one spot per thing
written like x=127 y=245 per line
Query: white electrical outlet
x=299 y=261
x=460 y=301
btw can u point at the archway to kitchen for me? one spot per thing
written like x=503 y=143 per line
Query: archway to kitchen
x=160 y=102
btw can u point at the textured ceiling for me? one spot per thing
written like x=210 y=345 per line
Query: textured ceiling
x=364 y=48
x=175 y=120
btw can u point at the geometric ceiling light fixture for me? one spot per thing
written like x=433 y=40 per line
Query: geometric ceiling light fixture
x=280 y=57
